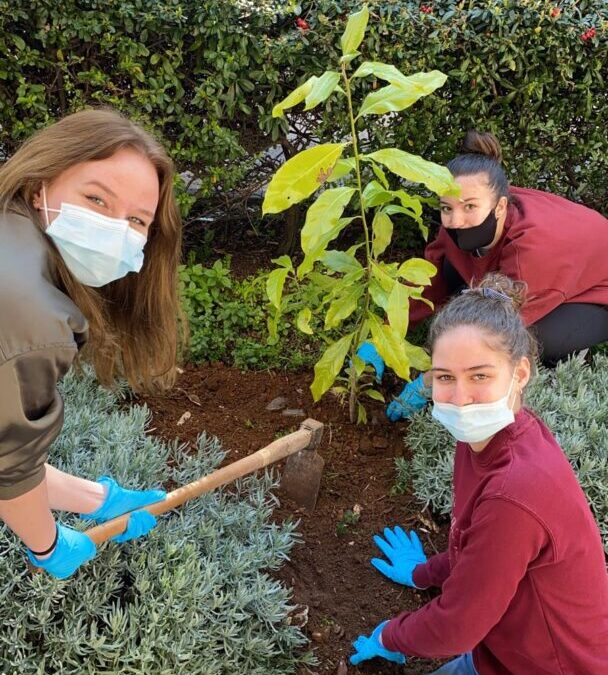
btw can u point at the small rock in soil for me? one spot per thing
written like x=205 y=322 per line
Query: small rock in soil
x=184 y=418
x=277 y=403
x=380 y=442
x=342 y=668
x=321 y=635
x=293 y=412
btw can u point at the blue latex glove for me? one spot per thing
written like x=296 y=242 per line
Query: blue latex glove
x=72 y=550
x=140 y=523
x=368 y=353
x=412 y=399
x=120 y=500
x=404 y=552
x=369 y=647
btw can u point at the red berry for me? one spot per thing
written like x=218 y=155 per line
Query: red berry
x=302 y=24
x=426 y=9
x=555 y=12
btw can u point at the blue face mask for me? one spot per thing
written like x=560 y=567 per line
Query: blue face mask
x=96 y=249
x=476 y=422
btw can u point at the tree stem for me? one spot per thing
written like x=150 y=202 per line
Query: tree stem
x=353 y=376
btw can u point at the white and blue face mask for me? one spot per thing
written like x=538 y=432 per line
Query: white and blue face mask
x=95 y=248
x=478 y=421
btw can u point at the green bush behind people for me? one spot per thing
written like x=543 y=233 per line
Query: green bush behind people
x=533 y=76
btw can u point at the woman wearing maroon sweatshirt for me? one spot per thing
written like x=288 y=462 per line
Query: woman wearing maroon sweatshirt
x=524 y=588
x=557 y=247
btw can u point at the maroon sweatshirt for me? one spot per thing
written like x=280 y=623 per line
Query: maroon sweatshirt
x=556 y=246
x=524 y=582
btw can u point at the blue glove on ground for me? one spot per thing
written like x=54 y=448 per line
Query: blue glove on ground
x=369 y=647
x=120 y=500
x=71 y=550
x=412 y=399
x=404 y=552
x=368 y=353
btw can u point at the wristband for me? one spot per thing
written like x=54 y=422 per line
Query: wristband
x=50 y=548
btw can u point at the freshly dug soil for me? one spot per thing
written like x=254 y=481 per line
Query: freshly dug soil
x=337 y=593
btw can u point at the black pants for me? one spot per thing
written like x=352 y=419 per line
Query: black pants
x=568 y=328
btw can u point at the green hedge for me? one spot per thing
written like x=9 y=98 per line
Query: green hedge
x=194 y=596
x=205 y=75
x=572 y=402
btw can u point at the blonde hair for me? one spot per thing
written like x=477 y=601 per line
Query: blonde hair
x=136 y=327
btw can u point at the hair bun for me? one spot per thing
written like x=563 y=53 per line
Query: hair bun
x=514 y=290
x=482 y=143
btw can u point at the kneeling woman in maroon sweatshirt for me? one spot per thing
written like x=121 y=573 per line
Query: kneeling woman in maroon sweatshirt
x=557 y=247
x=524 y=588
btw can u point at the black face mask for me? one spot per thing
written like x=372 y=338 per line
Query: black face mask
x=474 y=238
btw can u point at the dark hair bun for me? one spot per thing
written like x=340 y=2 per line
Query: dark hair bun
x=514 y=290
x=482 y=143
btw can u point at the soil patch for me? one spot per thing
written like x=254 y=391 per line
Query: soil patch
x=337 y=593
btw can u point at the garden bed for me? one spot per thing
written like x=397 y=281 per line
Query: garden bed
x=329 y=571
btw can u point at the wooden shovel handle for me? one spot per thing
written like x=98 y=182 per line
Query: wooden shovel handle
x=307 y=436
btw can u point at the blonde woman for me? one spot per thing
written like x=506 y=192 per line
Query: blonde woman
x=90 y=240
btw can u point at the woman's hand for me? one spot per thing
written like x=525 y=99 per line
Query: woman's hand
x=369 y=647
x=71 y=551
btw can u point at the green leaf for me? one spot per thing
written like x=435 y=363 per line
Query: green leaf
x=379 y=295
x=323 y=223
x=296 y=96
x=355 y=30
x=374 y=394
x=303 y=320
x=396 y=97
x=390 y=346
x=421 y=83
x=329 y=365
x=361 y=413
x=342 y=168
x=340 y=261
x=398 y=309
x=417 y=271
x=359 y=365
x=417 y=170
x=416 y=294
x=344 y=306
x=382 y=227
x=417 y=357
x=410 y=202
x=375 y=195
x=283 y=261
x=19 y=42
x=347 y=58
x=322 y=89
x=300 y=176
x=274 y=286
x=395 y=208
x=382 y=274
x=380 y=175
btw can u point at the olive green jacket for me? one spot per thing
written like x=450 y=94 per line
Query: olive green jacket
x=40 y=332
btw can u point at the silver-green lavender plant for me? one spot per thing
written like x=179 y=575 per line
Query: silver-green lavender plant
x=193 y=597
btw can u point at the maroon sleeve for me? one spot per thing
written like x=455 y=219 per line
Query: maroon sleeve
x=496 y=550
x=433 y=572
x=437 y=291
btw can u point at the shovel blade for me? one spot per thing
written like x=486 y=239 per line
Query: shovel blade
x=302 y=478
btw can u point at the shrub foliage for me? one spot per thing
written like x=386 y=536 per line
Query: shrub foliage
x=205 y=75
x=193 y=596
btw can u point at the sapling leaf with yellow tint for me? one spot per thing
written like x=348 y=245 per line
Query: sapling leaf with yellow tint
x=358 y=292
